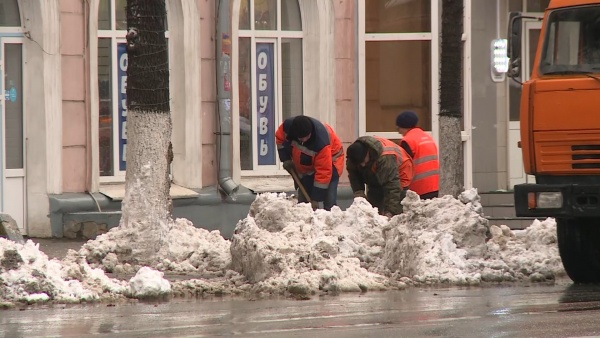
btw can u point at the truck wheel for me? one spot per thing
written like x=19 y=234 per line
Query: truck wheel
x=578 y=244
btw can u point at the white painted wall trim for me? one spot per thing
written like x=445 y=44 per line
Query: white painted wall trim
x=435 y=69
x=43 y=109
x=318 y=46
x=397 y=36
x=235 y=95
x=185 y=91
x=361 y=61
x=467 y=97
x=94 y=96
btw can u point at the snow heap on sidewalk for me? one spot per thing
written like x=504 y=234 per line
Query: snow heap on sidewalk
x=446 y=240
x=284 y=247
x=27 y=275
x=184 y=249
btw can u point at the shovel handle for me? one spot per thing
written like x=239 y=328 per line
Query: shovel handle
x=300 y=185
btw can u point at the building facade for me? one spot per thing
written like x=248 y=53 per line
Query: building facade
x=238 y=68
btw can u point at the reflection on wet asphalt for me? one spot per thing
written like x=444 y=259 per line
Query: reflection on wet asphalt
x=499 y=311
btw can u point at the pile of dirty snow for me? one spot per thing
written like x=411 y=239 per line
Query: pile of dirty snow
x=27 y=275
x=284 y=247
x=184 y=249
x=447 y=241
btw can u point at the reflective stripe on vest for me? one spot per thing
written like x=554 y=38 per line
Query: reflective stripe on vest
x=426 y=174
x=389 y=148
x=336 y=155
x=425 y=159
x=304 y=149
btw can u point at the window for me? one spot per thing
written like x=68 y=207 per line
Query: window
x=270 y=78
x=9 y=13
x=112 y=79
x=572 y=43
x=11 y=86
x=112 y=83
x=396 y=70
x=12 y=56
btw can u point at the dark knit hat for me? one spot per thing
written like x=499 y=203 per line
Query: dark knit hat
x=302 y=126
x=357 y=152
x=407 y=119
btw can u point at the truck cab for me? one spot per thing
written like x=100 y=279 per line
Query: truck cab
x=560 y=131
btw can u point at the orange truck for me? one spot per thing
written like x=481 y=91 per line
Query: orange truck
x=560 y=130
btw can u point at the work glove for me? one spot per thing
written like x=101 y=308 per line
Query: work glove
x=288 y=165
x=360 y=193
x=314 y=205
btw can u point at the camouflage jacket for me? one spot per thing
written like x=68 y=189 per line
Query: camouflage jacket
x=381 y=172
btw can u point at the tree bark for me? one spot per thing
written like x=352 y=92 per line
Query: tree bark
x=451 y=99
x=147 y=203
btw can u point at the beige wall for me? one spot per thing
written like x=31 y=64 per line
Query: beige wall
x=75 y=91
x=345 y=66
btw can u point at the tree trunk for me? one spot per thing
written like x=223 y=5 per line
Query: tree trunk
x=147 y=203
x=451 y=100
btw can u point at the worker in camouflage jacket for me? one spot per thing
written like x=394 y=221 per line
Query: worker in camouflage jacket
x=386 y=170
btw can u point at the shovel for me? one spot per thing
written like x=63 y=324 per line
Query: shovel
x=300 y=185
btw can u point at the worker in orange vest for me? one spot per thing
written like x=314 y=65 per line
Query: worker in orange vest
x=313 y=150
x=424 y=152
x=385 y=169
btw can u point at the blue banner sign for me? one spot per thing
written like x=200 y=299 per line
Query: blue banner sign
x=265 y=103
x=122 y=97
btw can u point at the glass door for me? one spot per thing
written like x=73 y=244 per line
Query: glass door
x=13 y=130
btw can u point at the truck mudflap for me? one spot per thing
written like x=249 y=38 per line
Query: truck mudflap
x=577 y=200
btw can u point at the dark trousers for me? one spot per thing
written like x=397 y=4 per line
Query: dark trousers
x=375 y=196
x=429 y=195
x=308 y=182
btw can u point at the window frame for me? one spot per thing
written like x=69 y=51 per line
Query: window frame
x=116 y=37
x=262 y=36
x=551 y=33
x=364 y=37
x=6 y=173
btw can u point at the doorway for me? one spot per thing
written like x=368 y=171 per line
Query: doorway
x=12 y=140
x=531 y=34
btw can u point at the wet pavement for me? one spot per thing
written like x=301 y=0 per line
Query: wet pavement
x=560 y=310
x=57 y=247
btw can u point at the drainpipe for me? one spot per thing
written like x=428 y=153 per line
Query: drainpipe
x=223 y=64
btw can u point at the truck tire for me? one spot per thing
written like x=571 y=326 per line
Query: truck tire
x=578 y=245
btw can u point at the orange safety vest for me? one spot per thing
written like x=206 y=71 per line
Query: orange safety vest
x=425 y=159
x=321 y=158
x=405 y=163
